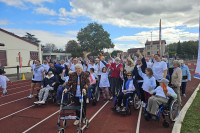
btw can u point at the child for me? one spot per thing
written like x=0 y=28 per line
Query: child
x=104 y=83
x=92 y=78
x=3 y=82
x=149 y=82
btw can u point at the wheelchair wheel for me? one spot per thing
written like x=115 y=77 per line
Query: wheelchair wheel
x=97 y=93
x=165 y=124
x=62 y=130
x=136 y=102
x=79 y=131
x=129 y=110
x=64 y=123
x=174 y=110
x=87 y=123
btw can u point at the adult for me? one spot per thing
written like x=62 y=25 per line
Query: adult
x=72 y=64
x=149 y=63
x=140 y=62
x=176 y=79
x=159 y=68
x=47 y=84
x=129 y=65
x=79 y=83
x=91 y=64
x=46 y=66
x=186 y=76
x=38 y=75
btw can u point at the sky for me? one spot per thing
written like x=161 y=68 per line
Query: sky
x=129 y=22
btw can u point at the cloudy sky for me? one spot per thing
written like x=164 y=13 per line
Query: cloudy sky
x=129 y=22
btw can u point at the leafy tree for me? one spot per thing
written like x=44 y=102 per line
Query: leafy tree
x=94 y=39
x=74 y=48
x=179 y=49
x=31 y=38
x=49 y=47
x=115 y=52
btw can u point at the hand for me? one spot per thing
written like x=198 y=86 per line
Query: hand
x=168 y=94
x=30 y=60
x=42 y=86
x=124 y=91
x=84 y=92
x=121 y=69
x=149 y=88
x=65 y=90
x=53 y=83
x=140 y=65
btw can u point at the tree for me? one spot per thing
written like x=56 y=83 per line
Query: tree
x=74 y=48
x=115 y=52
x=49 y=47
x=179 y=49
x=31 y=38
x=94 y=39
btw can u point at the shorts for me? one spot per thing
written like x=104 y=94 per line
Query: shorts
x=33 y=81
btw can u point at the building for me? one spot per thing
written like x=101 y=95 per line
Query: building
x=134 y=50
x=155 y=47
x=10 y=46
x=58 y=56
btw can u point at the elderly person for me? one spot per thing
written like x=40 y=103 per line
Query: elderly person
x=47 y=84
x=79 y=83
x=129 y=65
x=161 y=97
x=185 y=76
x=159 y=68
x=177 y=79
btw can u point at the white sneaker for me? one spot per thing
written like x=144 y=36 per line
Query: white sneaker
x=184 y=95
x=41 y=102
x=87 y=100
x=76 y=122
x=37 y=102
x=123 y=109
x=30 y=96
x=118 y=109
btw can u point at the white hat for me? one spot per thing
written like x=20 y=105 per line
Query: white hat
x=164 y=80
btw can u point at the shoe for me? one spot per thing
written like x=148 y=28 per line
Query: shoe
x=144 y=105
x=146 y=116
x=124 y=109
x=118 y=109
x=87 y=100
x=184 y=95
x=37 y=102
x=30 y=96
x=76 y=122
x=111 y=98
x=41 y=102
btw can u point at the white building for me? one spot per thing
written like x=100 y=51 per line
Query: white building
x=10 y=47
x=155 y=47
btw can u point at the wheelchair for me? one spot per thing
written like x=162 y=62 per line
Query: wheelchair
x=95 y=93
x=132 y=100
x=170 y=109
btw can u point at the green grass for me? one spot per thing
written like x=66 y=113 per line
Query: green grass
x=191 y=123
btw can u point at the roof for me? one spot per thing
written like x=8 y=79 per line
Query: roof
x=154 y=42
x=18 y=37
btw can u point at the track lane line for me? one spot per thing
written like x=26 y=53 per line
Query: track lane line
x=95 y=115
x=14 y=93
x=139 y=118
x=40 y=122
x=16 y=112
x=17 y=87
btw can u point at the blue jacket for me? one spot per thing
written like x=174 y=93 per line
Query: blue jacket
x=49 y=81
x=185 y=72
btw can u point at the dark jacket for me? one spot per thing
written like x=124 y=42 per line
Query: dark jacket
x=135 y=70
x=72 y=82
x=49 y=81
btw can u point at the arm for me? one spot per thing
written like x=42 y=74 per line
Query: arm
x=188 y=74
x=141 y=73
x=29 y=62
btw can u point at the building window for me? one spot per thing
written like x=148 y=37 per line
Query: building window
x=148 y=53
x=148 y=47
x=3 y=58
x=34 y=55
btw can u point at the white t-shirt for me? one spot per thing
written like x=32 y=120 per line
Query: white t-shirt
x=158 y=68
x=149 y=64
x=46 y=67
x=3 y=81
x=72 y=67
x=37 y=74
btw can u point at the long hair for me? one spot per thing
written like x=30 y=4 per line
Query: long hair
x=150 y=72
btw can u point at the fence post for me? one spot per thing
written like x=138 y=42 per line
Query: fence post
x=17 y=72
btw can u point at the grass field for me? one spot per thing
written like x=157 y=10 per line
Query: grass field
x=191 y=123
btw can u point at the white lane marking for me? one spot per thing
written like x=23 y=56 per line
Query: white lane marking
x=17 y=87
x=16 y=83
x=139 y=118
x=41 y=121
x=16 y=112
x=14 y=93
x=95 y=114
x=13 y=101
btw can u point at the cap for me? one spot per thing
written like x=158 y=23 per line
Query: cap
x=164 y=80
x=50 y=72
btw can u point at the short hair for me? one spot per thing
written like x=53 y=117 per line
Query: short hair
x=79 y=66
x=150 y=71
x=177 y=62
x=92 y=69
x=129 y=73
x=117 y=58
x=157 y=55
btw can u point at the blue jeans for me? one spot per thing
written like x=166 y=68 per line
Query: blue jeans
x=89 y=95
x=59 y=94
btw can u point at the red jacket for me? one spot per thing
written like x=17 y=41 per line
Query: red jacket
x=115 y=73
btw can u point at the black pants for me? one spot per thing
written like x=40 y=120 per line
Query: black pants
x=77 y=103
x=183 y=87
x=124 y=97
x=141 y=96
x=115 y=86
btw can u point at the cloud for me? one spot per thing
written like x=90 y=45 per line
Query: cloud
x=72 y=32
x=38 y=2
x=15 y=3
x=45 y=11
x=46 y=37
x=3 y=22
x=137 y=13
x=60 y=21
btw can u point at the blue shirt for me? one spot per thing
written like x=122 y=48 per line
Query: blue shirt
x=185 y=72
x=78 y=89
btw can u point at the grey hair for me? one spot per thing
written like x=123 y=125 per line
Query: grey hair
x=79 y=66
x=177 y=62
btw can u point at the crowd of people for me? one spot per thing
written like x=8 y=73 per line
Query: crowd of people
x=119 y=76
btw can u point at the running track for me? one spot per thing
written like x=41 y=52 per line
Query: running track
x=18 y=114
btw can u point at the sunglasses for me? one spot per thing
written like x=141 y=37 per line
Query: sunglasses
x=129 y=75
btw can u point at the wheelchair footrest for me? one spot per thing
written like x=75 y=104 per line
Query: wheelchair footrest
x=68 y=117
x=71 y=108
